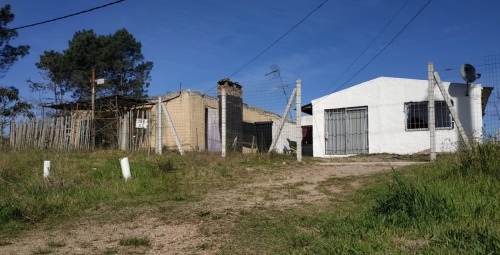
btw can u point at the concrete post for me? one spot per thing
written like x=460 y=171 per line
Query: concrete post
x=159 y=145
x=223 y=122
x=431 y=111
x=298 y=108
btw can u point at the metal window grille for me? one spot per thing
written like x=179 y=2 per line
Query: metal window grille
x=444 y=120
x=417 y=115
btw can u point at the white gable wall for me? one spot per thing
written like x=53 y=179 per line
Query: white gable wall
x=385 y=98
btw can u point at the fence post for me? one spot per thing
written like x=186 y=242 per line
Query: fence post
x=431 y=110
x=158 y=143
x=12 y=134
x=298 y=111
x=223 y=122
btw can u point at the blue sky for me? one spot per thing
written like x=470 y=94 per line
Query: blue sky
x=197 y=43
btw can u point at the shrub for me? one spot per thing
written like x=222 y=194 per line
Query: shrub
x=166 y=165
x=10 y=211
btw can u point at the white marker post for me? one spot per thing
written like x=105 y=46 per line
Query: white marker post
x=125 y=168
x=46 y=169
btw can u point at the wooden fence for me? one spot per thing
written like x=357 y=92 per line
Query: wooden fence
x=74 y=133
x=135 y=130
x=65 y=133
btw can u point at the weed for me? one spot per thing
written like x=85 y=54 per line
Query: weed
x=111 y=251
x=4 y=243
x=481 y=160
x=55 y=244
x=135 y=241
x=203 y=213
x=85 y=245
x=10 y=210
x=302 y=240
x=178 y=197
x=481 y=240
x=413 y=204
x=205 y=246
x=166 y=165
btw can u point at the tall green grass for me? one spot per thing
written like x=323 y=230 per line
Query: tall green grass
x=450 y=206
x=80 y=182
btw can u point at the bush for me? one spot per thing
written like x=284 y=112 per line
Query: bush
x=166 y=165
x=10 y=211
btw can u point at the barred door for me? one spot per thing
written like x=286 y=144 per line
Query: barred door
x=346 y=131
x=357 y=130
x=335 y=131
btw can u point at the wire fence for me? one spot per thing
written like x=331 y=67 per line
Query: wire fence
x=476 y=103
x=238 y=117
x=256 y=118
x=261 y=116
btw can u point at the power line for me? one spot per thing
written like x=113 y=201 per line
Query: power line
x=385 y=47
x=67 y=16
x=279 y=39
x=275 y=42
x=369 y=45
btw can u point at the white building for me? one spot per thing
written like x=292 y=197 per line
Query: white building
x=389 y=115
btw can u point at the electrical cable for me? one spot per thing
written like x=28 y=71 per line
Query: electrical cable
x=279 y=39
x=407 y=24
x=275 y=42
x=385 y=47
x=369 y=45
x=64 y=17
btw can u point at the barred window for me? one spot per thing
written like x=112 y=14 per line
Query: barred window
x=417 y=117
x=443 y=115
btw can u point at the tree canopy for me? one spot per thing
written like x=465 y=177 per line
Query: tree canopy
x=8 y=54
x=11 y=104
x=116 y=57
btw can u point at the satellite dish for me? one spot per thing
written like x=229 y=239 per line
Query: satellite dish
x=468 y=73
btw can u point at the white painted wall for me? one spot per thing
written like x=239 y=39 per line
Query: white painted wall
x=306 y=120
x=385 y=98
x=288 y=133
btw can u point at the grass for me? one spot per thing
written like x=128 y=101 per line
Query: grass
x=134 y=241
x=85 y=181
x=448 y=206
x=55 y=244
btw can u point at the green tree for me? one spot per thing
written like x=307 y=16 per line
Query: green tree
x=116 y=57
x=55 y=73
x=125 y=66
x=11 y=106
x=8 y=54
